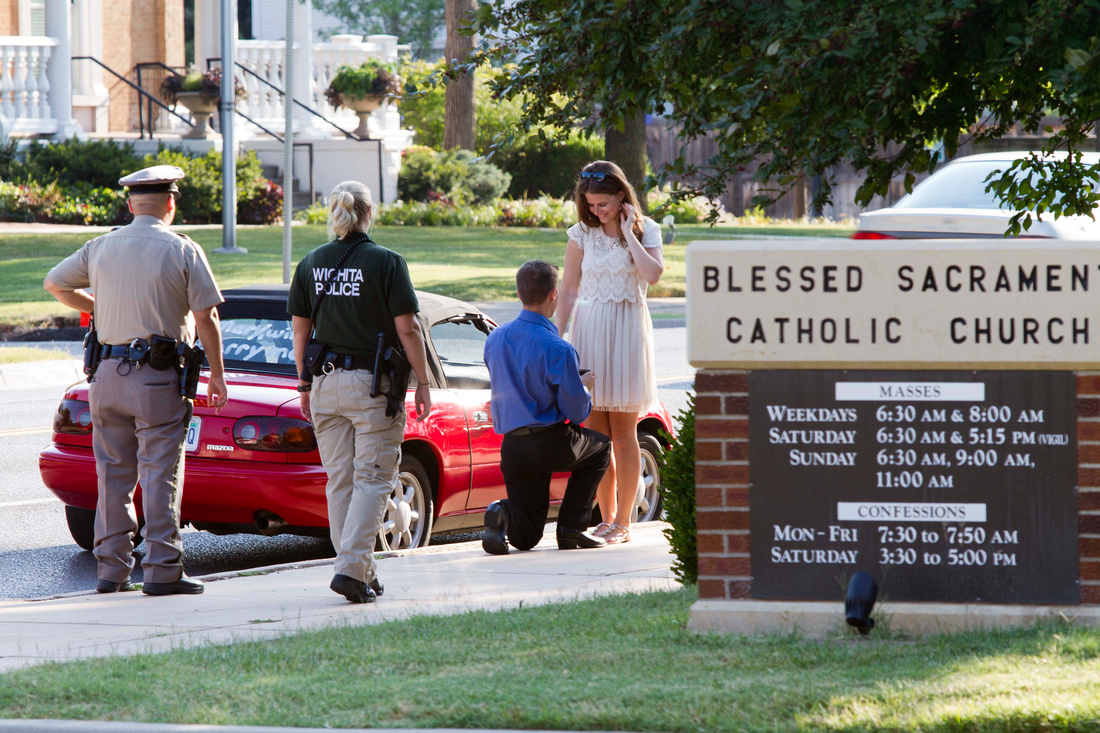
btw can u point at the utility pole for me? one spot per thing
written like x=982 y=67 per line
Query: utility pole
x=229 y=148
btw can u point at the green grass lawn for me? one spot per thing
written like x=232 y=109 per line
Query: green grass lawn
x=614 y=663
x=16 y=354
x=475 y=263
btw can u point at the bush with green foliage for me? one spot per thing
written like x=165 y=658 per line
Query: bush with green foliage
x=453 y=175
x=201 y=189
x=546 y=166
x=51 y=203
x=536 y=165
x=542 y=212
x=96 y=163
x=684 y=211
x=678 y=492
x=75 y=182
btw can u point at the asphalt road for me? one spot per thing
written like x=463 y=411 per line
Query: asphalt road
x=38 y=557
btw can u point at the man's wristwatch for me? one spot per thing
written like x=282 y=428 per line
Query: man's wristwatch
x=305 y=387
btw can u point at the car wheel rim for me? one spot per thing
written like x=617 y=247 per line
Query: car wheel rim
x=402 y=526
x=649 y=486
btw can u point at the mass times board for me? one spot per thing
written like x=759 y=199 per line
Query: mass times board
x=953 y=486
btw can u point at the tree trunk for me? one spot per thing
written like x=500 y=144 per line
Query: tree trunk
x=627 y=148
x=458 y=105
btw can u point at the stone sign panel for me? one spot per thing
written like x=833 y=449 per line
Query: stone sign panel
x=817 y=303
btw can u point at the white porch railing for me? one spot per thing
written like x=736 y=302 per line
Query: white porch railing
x=265 y=60
x=24 y=86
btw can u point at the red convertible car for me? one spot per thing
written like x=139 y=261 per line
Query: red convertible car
x=255 y=468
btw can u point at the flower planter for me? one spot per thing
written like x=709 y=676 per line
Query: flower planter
x=362 y=107
x=201 y=108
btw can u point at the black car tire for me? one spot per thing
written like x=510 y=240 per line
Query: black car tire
x=410 y=509
x=81 y=526
x=647 y=505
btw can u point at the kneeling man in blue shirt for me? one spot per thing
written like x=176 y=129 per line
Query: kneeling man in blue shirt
x=536 y=387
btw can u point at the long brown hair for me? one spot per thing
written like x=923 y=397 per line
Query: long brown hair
x=613 y=182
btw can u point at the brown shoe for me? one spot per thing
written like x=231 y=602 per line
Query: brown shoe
x=617 y=535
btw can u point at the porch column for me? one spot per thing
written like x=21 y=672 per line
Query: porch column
x=59 y=73
x=304 y=87
x=208 y=32
x=91 y=99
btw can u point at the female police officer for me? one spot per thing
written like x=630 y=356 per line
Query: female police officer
x=345 y=294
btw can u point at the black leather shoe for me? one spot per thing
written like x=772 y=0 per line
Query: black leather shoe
x=495 y=539
x=354 y=590
x=376 y=586
x=184 y=586
x=571 y=539
x=111 y=586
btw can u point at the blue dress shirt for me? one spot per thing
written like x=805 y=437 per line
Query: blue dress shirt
x=534 y=376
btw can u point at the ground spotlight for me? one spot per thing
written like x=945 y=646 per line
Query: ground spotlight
x=862 y=592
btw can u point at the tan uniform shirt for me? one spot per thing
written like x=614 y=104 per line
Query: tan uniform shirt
x=146 y=280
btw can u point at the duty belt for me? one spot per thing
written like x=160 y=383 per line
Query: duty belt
x=124 y=351
x=350 y=361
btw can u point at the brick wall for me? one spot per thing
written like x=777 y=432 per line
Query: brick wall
x=134 y=32
x=722 y=483
x=1088 y=483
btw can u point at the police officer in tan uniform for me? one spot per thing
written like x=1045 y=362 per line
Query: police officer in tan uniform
x=147 y=282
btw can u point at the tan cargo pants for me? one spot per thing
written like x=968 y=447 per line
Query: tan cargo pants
x=139 y=421
x=361 y=451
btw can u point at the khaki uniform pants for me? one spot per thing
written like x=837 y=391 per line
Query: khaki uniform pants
x=361 y=451
x=139 y=422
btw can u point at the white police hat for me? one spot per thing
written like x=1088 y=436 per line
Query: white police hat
x=155 y=179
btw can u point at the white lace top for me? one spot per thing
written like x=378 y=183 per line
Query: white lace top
x=608 y=273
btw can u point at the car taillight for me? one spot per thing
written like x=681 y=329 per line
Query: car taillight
x=74 y=417
x=871 y=235
x=274 y=434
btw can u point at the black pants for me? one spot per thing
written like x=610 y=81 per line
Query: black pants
x=528 y=462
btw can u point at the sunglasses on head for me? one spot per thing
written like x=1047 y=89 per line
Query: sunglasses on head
x=594 y=175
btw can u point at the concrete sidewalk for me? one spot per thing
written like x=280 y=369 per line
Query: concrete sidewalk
x=271 y=602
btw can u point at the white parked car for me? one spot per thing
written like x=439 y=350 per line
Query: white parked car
x=952 y=203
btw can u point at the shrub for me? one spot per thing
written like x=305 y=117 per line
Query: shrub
x=678 y=489
x=52 y=203
x=201 y=189
x=452 y=174
x=547 y=167
x=264 y=207
x=684 y=211
x=96 y=163
x=317 y=213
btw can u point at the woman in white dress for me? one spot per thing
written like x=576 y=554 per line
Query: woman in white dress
x=614 y=253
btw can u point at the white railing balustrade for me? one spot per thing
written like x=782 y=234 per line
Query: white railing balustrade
x=265 y=60
x=24 y=86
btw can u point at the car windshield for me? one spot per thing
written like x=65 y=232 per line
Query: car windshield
x=257 y=340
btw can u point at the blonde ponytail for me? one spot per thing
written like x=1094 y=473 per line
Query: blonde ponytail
x=350 y=209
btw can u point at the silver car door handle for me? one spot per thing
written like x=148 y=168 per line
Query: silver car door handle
x=481 y=417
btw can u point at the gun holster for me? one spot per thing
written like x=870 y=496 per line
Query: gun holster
x=191 y=364
x=92 y=355
x=390 y=361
